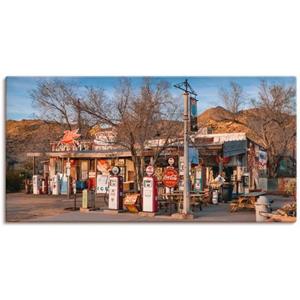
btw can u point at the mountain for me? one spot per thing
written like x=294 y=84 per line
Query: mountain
x=215 y=113
x=35 y=135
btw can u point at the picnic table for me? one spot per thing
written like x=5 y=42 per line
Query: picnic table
x=175 y=199
x=245 y=201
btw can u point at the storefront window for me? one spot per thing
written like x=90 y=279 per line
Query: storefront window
x=84 y=169
x=123 y=172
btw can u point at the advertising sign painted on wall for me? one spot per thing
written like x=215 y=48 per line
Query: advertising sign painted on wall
x=102 y=184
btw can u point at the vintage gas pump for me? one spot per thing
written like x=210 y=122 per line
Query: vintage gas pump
x=115 y=190
x=37 y=184
x=56 y=185
x=198 y=179
x=92 y=181
x=64 y=185
x=150 y=202
x=45 y=186
x=246 y=182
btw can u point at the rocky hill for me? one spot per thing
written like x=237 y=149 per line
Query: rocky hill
x=220 y=120
x=26 y=136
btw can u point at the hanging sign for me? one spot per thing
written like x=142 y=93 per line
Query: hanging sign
x=171 y=161
x=193 y=114
x=170 y=177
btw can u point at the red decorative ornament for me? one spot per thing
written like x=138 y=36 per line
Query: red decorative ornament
x=70 y=136
x=224 y=160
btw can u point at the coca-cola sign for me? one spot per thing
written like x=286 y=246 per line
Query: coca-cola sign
x=170 y=178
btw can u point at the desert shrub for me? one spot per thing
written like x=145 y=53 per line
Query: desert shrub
x=290 y=188
x=14 y=182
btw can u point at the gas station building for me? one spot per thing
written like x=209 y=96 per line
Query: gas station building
x=232 y=154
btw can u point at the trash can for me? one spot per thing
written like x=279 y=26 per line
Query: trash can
x=227 y=192
x=262 y=205
x=215 y=196
x=91 y=199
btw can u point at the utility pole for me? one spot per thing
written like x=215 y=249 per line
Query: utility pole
x=68 y=167
x=185 y=86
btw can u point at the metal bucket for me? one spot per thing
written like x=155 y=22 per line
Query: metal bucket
x=215 y=196
x=262 y=205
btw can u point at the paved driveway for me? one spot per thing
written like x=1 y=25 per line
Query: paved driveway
x=44 y=208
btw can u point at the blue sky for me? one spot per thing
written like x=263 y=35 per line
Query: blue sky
x=19 y=104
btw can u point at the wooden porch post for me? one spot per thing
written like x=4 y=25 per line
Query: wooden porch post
x=33 y=165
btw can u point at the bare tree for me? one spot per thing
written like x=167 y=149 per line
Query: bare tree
x=139 y=119
x=273 y=121
x=233 y=99
x=58 y=102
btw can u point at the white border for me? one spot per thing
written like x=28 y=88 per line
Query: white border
x=148 y=38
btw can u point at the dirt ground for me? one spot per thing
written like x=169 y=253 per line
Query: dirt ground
x=22 y=207
x=25 y=207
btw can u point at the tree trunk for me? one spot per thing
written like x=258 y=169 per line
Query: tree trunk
x=137 y=176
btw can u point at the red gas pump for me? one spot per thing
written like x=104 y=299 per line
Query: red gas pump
x=91 y=183
x=150 y=191
x=115 y=190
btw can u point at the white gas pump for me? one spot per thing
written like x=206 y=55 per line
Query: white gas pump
x=198 y=179
x=115 y=190
x=56 y=185
x=37 y=184
x=150 y=203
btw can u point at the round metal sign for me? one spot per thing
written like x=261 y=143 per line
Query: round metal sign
x=150 y=170
x=170 y=178
x=115 y=170
x=171 y=161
